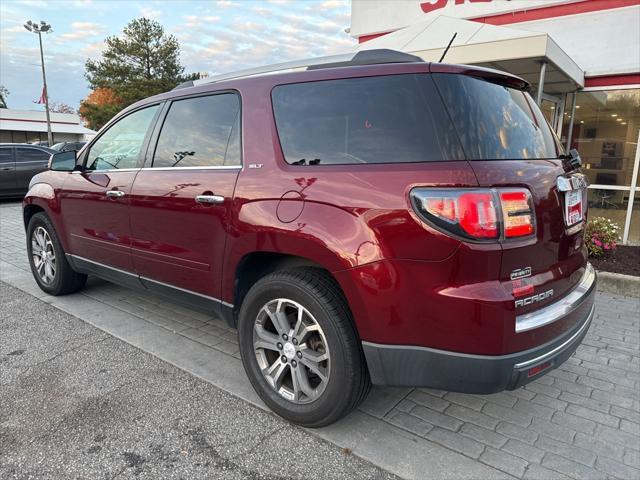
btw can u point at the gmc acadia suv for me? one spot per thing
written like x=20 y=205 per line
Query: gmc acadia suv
x=365 y=222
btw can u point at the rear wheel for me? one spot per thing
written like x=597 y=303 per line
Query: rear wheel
x=47 y=259
x=300 y=349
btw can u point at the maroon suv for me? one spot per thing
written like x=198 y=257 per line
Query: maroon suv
x=398 y=223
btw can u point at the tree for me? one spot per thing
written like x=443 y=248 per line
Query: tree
x=4 y=93
x=144 y=61
x=99 y=107
x=59 y=107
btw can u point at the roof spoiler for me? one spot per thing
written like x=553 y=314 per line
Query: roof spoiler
x=363 y=57
x=487 y=74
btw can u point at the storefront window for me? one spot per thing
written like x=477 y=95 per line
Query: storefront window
x=605 y=132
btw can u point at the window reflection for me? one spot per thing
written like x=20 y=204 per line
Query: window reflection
x=200 y=132
x=120 y=146
x=384 y=119
x=495 y=122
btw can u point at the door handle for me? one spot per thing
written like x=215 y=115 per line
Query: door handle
x=209 y=199
x=115 y=193
x=6 y=168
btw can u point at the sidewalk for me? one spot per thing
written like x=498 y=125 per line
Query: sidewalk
x=580 y=421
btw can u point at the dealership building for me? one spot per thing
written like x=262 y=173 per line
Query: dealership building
x=30 y=126
x=582 y=58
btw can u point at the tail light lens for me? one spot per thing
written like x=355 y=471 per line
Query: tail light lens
x=517 y=213
x=478 y=214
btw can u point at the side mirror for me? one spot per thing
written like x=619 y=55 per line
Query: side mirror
x=63 y=161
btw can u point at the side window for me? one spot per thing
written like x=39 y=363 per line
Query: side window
x=121 y=145
x=200 y=132
x=6 y=155
x=31 y=155
x=382 y=119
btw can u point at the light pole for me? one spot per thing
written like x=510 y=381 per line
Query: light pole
x=42 y=27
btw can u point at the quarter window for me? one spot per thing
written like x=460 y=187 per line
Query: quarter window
x=200 y=132
x=384 y=119
x=121 y=145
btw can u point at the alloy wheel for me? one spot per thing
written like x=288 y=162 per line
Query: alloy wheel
x=292 y=351
x=43 y=255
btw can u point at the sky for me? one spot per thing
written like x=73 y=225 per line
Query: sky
x=216 y=36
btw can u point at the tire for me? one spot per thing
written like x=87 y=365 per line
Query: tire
x=327 y=330
x=63 y=280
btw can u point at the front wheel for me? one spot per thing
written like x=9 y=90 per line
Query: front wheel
x=47 y=259
x=300 y=349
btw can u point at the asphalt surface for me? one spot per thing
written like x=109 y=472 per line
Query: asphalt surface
x=76 y=402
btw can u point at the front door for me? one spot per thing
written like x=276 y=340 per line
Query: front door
x=181 y=203
x=29 y=162
x=95 y=201
x=7 y=171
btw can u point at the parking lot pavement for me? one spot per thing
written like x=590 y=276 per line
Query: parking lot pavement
x=79 y=403
x=579 y=421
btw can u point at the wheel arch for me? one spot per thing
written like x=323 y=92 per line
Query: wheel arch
x=255 y=265
x=41 y=197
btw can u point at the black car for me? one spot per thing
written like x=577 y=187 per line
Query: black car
x=68 y=146
x=18 y=163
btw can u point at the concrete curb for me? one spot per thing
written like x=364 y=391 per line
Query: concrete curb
x=619 y=284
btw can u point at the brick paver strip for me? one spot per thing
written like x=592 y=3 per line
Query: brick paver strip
x=580 y=421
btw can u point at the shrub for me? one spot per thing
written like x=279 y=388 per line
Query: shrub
x=601 y=236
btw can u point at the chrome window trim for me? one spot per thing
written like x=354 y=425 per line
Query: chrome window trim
x=561 y=308
x=111 y=170
x=140 y=277
x=560 y=347
x=211 y=167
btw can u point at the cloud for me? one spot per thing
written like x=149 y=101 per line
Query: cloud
x=150 y=13
x=332 y=4
x=80 y=31
x=226 y=4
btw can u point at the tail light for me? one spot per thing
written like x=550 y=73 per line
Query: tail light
x=477 y=214
x=517 y=213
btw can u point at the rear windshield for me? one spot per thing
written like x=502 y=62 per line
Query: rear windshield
x=495 y=122
x=383 y=119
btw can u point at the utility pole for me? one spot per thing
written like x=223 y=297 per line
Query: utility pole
x=41 y=28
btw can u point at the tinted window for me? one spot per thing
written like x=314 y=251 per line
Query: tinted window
x=6 y=155
x=31 y=155
x=121 y=145
x=387 y=119
x=496 y=122
x=200 y=132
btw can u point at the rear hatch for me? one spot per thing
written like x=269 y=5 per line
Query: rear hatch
x=508 y=143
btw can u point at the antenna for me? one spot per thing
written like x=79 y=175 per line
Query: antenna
x=447 y=49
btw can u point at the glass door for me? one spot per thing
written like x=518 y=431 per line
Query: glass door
x=550 y=107
x=606 y=132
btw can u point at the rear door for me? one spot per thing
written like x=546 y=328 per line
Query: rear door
x=95 y=202
x=7 y=171
x=509 y=144
x=181 y=201
x=29 y=161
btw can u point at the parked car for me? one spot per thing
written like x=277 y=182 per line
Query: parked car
x=18 y=163
x=405 y=223
x=68 y=146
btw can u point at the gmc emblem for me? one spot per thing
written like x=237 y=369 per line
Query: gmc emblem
x=534 y=298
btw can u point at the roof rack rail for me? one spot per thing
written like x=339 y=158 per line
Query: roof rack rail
x=362 y=57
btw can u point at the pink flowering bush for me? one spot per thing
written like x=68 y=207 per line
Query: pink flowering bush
x=601 y=236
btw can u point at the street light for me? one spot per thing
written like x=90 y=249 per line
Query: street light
x=40 y=28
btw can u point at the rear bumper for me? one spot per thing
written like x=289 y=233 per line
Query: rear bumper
x=400 y=365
